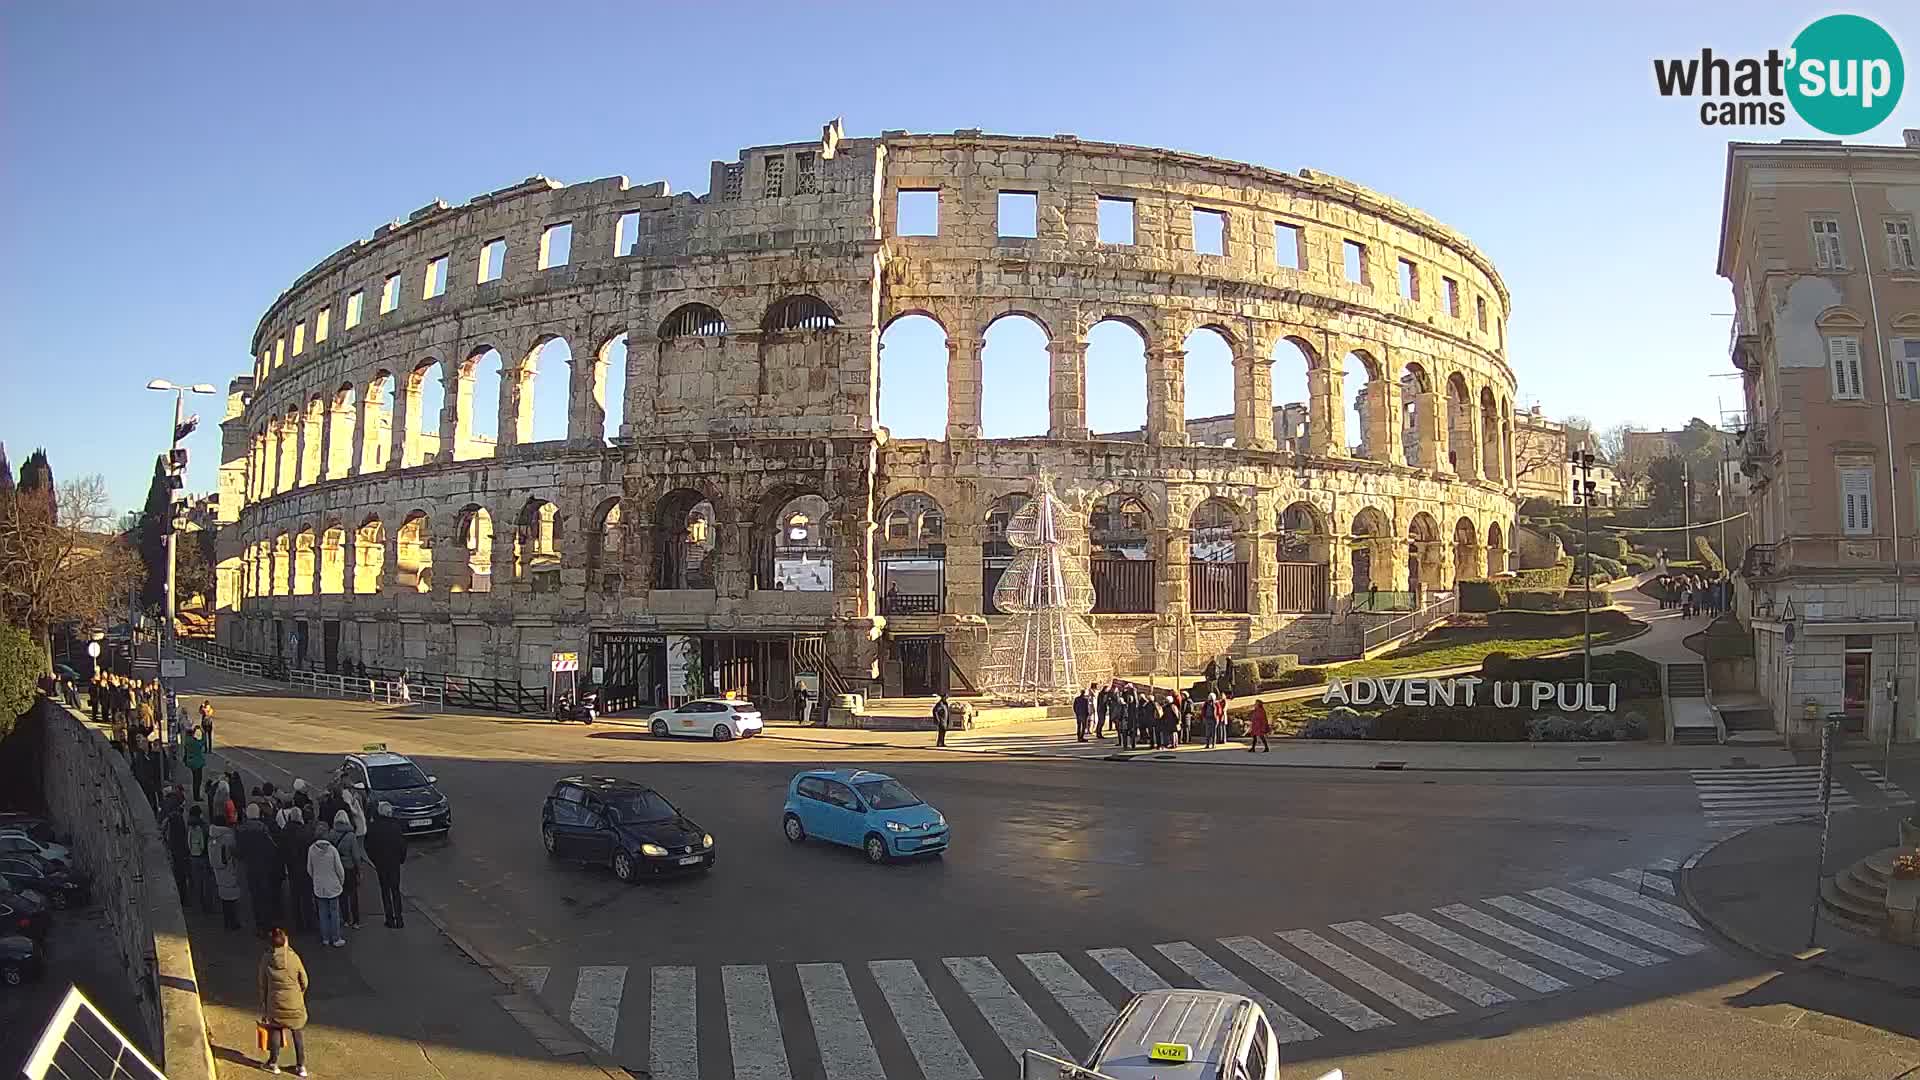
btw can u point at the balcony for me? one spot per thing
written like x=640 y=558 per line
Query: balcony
x=1754 y=452
x=1759 y=561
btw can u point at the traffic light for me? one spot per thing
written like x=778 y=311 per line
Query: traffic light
x=176 y=485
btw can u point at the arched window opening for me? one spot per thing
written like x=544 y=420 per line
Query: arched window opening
x=1120 y=540
x=995 y=553
x=376 y=423
x=606 y=548
x=913 y=379
x=333 y=560
x=1015 y=380
x=426 y=402
x=610 y=387
x=1496 y=550
x=340 y=435
x=693 y=320
x=476 y=536
x=1418 y=436
x=1424 y=558
x=282 y=564
x=1466 y=551
x=546 y=398
x=1492 y=455
x=413 y=554
x=369 y=557
x=1461 y=455
x=1305 y=559
x=684 y=538
x=1216 y=559
x=536 y=546
x=1116 y=392
x=313 y=427
x=1209 y=388
x=303 y=563
x=793 y=545
x=796 y=314
x=477 y=427
x=912 y=559
x=1370 y=561
x=1361 y=393
x=1292 y=397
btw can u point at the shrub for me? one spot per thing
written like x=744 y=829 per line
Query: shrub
x=1636 y=562
x=1252 y=674
x=22 y=663
x=1479 y=594
x=1553 y=577
x=1613 y=547
x=1461 y=723
x=1586 y=727
x=1538 y=506
x=1605 y=569
x=1339 y=723
x=1635 y=675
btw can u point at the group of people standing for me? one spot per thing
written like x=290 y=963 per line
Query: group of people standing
x=1696 y=594
x=1142 y=720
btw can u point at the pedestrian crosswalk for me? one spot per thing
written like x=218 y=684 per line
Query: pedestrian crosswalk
x=1738 y=798
x=971 y=1017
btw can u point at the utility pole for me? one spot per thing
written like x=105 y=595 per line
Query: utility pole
x=1583 y=493
x=176 y=468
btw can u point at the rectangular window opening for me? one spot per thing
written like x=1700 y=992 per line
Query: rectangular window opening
x=775 y=171
x=436 y=281
x=299 y=337
x=493 y=260
x=1843 y=358
x=1209 y=232
x=626 y=234
x=1827 y=254
x=390 y=293
x=1856 y=499
x=1480 y=311
x=1906 y=368
x=1900 y=254
x=356 y=304
x=556 y=245
x=1409 y=280
x=1355 y=257
x=1019 y=213
x=279 y=351
x=322 y=325
x=917 y=212
x=1116 y=220
x=806 y=173
x=1286 y=246
x=1450 y=295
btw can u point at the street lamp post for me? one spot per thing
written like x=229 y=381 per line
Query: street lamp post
x=1583 y=493
x=175 y=468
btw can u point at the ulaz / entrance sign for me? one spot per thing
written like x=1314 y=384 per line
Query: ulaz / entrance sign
x=1567 y=697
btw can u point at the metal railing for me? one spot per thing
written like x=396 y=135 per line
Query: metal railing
x=219 y=661
x=1122 y=586
x=1411 y=623
x=1216 y=587
x=1303 y=588
x=385 y=685
x=1758 y=561
x=384 y=691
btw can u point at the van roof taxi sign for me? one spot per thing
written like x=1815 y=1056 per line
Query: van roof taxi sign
x=1172 y=1052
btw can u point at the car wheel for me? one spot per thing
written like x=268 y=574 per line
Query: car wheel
x=57 y=898
x=659 y=729
x=623 y=866
x=876 y=849
x=12 y=975
x=546 y=840
x=793 y=828
x=721 y=733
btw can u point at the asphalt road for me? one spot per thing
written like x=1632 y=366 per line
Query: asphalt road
x=1331 y=893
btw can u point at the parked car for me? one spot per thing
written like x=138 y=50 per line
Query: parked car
x=35 y=826
x=624 y=825
x=867 y=810
x=715 y=718
x=23 y=912
x=20 y=959
x=19 y=839
x=63 y=887
x=1170 y=1034
x=393 y=778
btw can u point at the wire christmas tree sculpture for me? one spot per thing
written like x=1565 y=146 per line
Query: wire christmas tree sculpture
x=1045 y=652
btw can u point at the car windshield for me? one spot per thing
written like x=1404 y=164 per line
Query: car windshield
x=640 y=806
x=887 y=794
x=387 y=777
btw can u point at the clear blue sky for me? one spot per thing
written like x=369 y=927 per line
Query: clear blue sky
x=167 y=169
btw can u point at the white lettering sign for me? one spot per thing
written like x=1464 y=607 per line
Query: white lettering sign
x=1421 y=693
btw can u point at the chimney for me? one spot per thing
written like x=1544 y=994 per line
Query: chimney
x=1912 y=135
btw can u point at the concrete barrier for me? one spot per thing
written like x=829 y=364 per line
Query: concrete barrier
x=91 y=792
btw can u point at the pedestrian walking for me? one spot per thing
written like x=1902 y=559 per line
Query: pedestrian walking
x=200 y=884
x=352 y=854
x=803 y=701
x=1082 y=715
x=1103 y=710
x=223 y=860
x=193 y=754
x=1257 y=727
x=386 y=848
x=942 y=711
x=283 y=1001
x=328 y=879
x=296 y=836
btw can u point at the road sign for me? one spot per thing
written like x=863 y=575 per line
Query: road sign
x=566 y=661
x=173 y=669
x=1786 y=654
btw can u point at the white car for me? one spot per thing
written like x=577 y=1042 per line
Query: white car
x=16 y=841
x=710 y=718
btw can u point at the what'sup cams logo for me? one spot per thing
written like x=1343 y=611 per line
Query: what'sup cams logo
x=1842 y=75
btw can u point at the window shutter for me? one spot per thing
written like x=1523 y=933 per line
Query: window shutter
x=1837 y=360
x=1902 y=388
x=1856 y=488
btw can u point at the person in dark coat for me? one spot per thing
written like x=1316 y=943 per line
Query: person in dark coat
x=1082 y=715
x=260 y=857
x=173 y=824
x=296 y=836
x=1123 y=717
x=1102 y=710
x=386 y=845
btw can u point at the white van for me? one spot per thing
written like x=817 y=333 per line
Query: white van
x=1176 y=1035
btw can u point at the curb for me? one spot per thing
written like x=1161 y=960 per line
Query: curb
x=1785 y=960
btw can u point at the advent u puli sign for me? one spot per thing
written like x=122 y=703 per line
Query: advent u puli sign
x=1567 y=697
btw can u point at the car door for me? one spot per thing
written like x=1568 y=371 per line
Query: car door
x=844 y=809
x=595 y=837
x=21 y=873
x=696 y=719
x=14 y=843
x=811 y=804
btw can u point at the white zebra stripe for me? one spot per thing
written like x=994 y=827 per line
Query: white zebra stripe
x=753 y=1027
x=1668 y=865
x=1658 y=882
x=1669 y=912
x=1419 y=1005
x=1011 y=1018
x=1625 y=924
x=596 y=1004
x=1585 y=935
x=1491 y=959
x=1128 y=970
x=1311 y=988
x=846 y=1049
x=1533 y=943
x=1435 y=971
x=673 y=1051
x=1088 y=1007
x=533 y=976
x=1207 y=971
x=929 y=1034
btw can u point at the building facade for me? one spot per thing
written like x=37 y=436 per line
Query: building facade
x=1818 y=243
x=750 y=497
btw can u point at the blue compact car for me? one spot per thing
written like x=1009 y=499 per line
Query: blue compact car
x=867 y=810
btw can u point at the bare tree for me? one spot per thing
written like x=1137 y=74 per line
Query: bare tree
x=1630 y=460
x=59 y=561
x=1537 y=450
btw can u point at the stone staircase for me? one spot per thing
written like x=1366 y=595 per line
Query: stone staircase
x=1690 y=721
x=1856 y=898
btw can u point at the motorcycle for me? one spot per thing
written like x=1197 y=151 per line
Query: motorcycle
x=581 y=709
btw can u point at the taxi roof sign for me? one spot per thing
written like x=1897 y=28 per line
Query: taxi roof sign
x=374 y=748
x=1171 y=1051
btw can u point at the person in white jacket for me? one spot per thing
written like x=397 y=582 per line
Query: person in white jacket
x=329 y=880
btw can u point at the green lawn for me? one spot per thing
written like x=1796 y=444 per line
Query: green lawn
x=1455 y=647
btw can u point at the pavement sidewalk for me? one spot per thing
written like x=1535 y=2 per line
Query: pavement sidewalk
x=1758 y=889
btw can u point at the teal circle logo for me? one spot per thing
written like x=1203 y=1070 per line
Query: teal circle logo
x=1847 y=74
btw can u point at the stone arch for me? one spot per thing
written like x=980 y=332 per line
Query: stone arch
x=1492 y=458
x=1016 y=376
x=481 y=384
x=369 y=556
x=1123 y=540
x=693 y=320
x=304 y=556
x=1419 y=435
x=1496 y=549
x=995 y=553
x=282 y=564
x=1301 y=393
x=1367 y=418
x=540 y=398
x=1370 y=553
x=376 y=422
x=1116 y=377
x=607 y=546
x=340 y=421
x=536 y=544
x=1425 y=557
x=426 y=384
x=686 y=539
x=912 y=395
x=1466 y=551
x=1506 y=440
x=333 y=559
x=313 y=423
x=604 y=391
x=1218 y=556
x=792 y=540
x=475 y=529
x=1207 y=385
x=910 y=555
x=413 y=553
x=798 y=314
x=1303 y=544
x=1462 y=449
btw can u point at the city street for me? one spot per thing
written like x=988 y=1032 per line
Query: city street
x=1397 y=917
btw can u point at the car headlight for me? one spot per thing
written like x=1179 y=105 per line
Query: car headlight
x=894 y=826
x=654 y=850
x=706 y=840
x=939 y=821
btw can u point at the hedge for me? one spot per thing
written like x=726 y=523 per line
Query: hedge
x=1605 y=569
x=1635 y=675
x=1636 y=562
x=1546 y=577
x=22 y=663
x=1444 y=723
x=1613 y=547
x=1538 y=507
x=1253 y=674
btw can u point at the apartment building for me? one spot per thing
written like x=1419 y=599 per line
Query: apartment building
x=1817 y=241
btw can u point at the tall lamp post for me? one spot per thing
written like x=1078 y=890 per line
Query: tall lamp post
x=1583 y=494
x=176 y=481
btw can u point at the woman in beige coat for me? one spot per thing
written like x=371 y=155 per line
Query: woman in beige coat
x=283 y=1000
